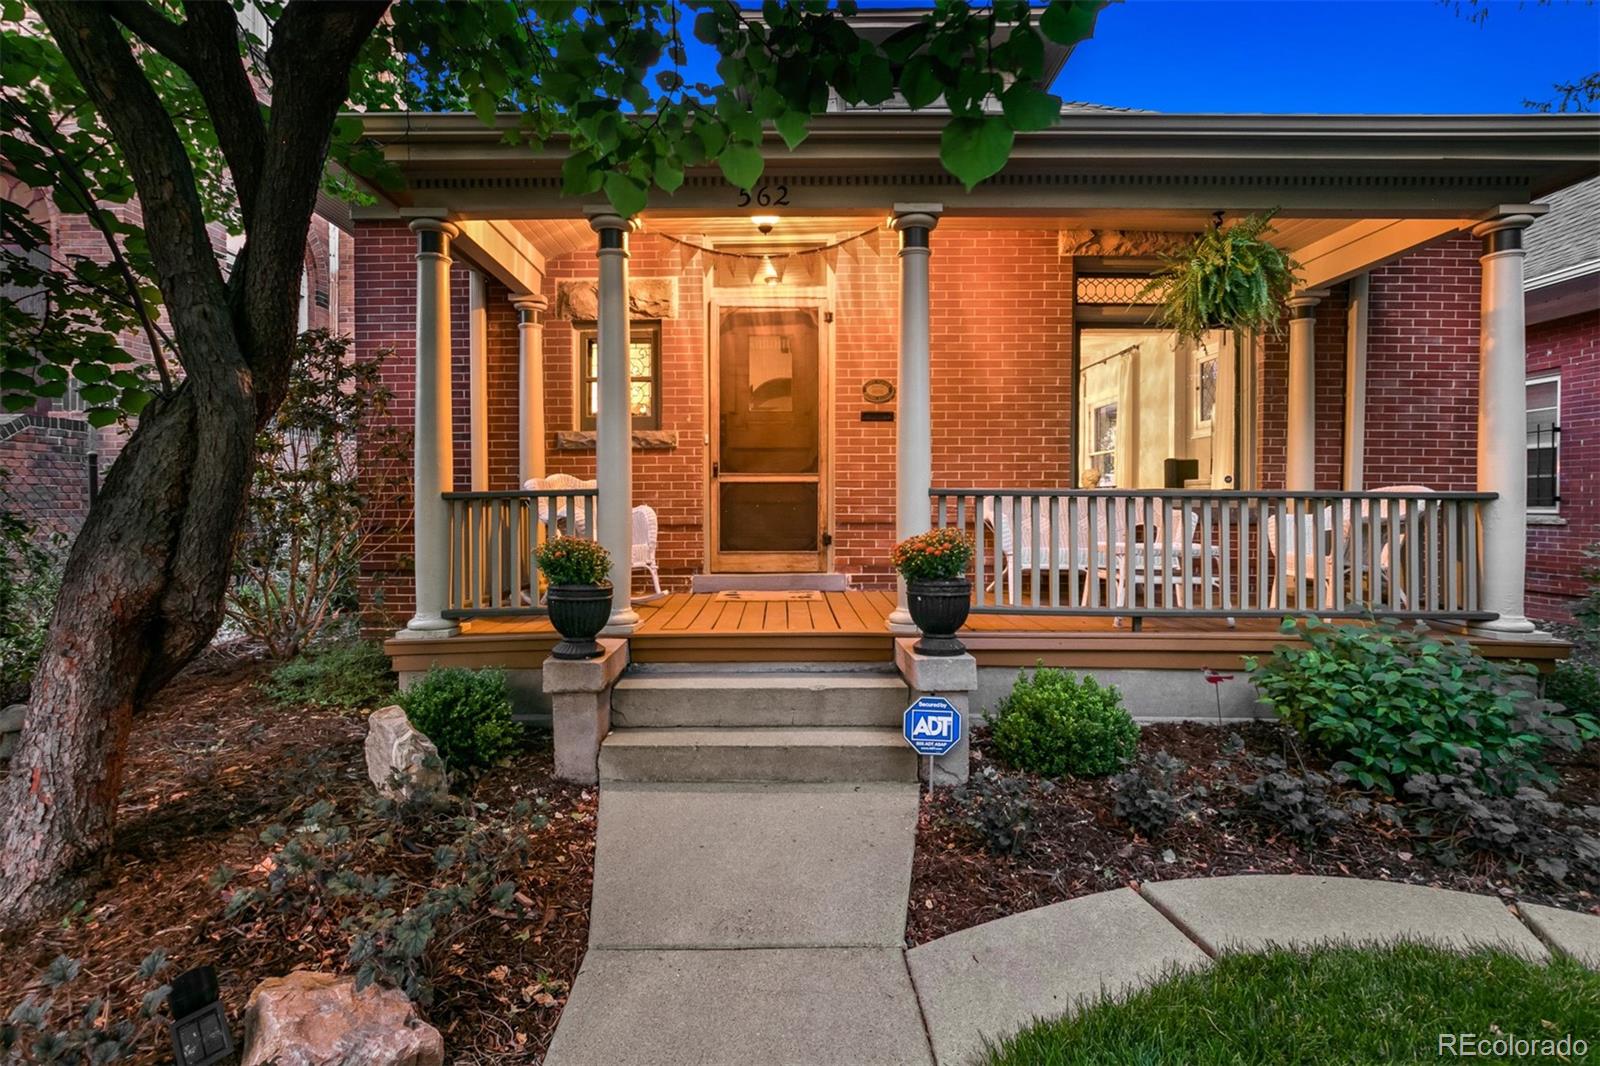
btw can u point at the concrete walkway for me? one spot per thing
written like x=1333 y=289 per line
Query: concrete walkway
x=762 y=925
x=748 y=924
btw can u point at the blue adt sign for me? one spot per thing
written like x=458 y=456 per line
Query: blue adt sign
x=932 y=725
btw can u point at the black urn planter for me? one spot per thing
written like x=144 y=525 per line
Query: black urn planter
x=939 y=607
x=579 y=613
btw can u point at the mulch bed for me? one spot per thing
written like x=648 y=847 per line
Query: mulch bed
x=212 y=763
x=1079 y=847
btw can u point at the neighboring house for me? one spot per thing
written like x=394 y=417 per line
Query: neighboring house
x=792 y=378
x=52 y=455
x=1563 y=307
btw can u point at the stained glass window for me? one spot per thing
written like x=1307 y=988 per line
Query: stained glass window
x=644 y=376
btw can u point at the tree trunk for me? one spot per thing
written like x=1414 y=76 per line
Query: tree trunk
x=141 y=595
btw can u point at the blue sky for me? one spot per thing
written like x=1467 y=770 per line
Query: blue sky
x=1332 y=55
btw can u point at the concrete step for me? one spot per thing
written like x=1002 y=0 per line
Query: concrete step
x=772 y=754
x=769 y=582
x=711 y=698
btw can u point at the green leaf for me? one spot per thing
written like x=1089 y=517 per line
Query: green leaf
x=874 y=79
x=626 y=194
x=741 y=165
x=918 y=82
x=668 y=174
x=579 y=176
x=975 y=148
x=792 y=127
x=1027 y=108
x=1069 y=21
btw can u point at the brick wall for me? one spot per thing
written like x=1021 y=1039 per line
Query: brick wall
x=1555 y=551
x=1422 y=369
x=47 y=471
x=1272 y=413
x=385 y=329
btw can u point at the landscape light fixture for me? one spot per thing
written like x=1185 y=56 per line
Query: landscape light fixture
x=199 y=1028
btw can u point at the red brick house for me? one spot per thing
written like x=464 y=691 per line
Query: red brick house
x=1563 y=301
x=858 y=348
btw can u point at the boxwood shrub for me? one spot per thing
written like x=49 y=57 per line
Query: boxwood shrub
x=467 y=715
x=1055 y=723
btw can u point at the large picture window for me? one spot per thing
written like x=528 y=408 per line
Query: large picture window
x=1544 y=442
x=644 y=375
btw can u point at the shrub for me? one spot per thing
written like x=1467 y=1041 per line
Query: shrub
x=1054 y=724
x=1146 y=796
x=350 y=675
x=1576 y=686
x=1389 y=702
x=999 y=809
x=937 y=555
x=467 y=715
x=305 y=532
x=30 y=577
x=574 y=561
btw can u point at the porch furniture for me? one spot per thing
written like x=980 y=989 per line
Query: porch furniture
x=646 y=530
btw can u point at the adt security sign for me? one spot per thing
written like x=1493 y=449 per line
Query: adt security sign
x=932 y=725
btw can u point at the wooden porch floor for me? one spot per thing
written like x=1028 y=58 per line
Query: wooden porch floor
x=853 y=627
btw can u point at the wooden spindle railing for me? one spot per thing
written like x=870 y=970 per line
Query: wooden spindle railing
x=493 y=540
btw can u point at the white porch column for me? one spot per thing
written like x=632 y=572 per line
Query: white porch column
x=478 y=379
x=432 y=454
x=1300 y=444
x=1502 y=423
x=914 y=436
x=530 y=386
x=613 y=417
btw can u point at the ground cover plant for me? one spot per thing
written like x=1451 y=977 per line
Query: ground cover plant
x=346 y=675
x=215 y=763
x=1203 y=800
x=1335 y=1004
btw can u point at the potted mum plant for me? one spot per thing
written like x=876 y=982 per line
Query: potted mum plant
x=1230 y=278
x=579 y=596
x=938 y=594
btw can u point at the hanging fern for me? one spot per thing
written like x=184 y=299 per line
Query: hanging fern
x=1230 y=278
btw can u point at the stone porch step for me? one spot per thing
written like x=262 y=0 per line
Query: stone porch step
x=714 y=698
x=761 y=754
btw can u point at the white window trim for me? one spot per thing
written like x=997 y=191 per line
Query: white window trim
x=1542 y=379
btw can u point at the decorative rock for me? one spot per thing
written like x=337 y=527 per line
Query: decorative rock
x=11 y=728
x=647 y=298
x=319 y=1019
x=394 y=745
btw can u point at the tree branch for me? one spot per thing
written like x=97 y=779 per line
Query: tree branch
x=154 y=29
x=314 y=47
x=174 y=220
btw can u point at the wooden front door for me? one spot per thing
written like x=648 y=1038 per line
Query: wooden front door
x=769 y=439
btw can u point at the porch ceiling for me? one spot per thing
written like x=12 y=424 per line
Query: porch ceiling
x=1330 y=248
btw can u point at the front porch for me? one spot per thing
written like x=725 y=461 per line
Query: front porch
x=795 y=391
x=854 y=627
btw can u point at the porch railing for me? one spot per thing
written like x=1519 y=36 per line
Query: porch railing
x=493 y=537
x=1146 y=553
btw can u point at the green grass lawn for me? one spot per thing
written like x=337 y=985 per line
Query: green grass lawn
x=1330 y=1005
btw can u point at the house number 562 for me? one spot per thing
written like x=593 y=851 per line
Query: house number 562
x=765 y=195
